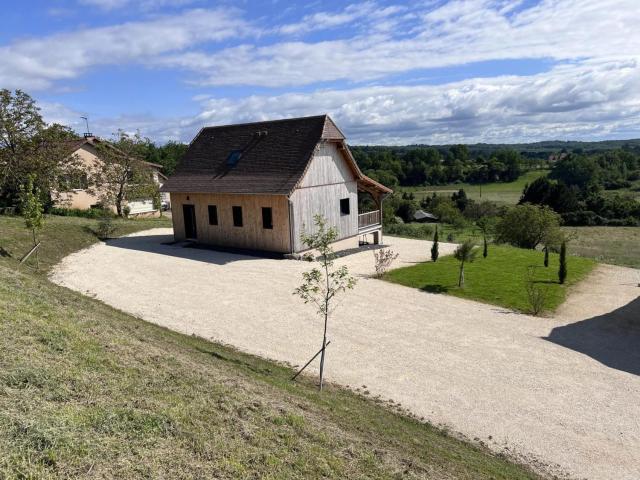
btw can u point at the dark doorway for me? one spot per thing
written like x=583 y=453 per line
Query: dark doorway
x=189 y=214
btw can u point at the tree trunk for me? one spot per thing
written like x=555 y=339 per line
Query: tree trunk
x=324 y=346
x=461 y=279
x=35 y=242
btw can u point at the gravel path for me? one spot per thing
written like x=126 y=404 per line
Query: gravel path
x=561 y=393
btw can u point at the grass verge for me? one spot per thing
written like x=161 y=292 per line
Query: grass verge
x=61 y=236
x=89 y=391
x=616 y=245
x=498 y=279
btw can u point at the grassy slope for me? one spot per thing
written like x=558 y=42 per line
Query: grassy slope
x=61 y=236
x=86 y=390
x=617 y=245
x=502 y=192
x=499 y=279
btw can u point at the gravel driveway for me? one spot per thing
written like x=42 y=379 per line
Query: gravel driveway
x=561 y=393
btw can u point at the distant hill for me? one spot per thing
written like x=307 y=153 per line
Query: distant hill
x=531 y=150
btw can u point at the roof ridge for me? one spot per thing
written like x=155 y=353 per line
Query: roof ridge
x=309 y=117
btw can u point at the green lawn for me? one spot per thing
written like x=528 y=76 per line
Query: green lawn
x=499 y=279
x=88 y=391
x=501 y=192
x=616 y=245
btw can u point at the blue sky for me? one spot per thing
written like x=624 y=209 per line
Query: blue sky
x=388 y=72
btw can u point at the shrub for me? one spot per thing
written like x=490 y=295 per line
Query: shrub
x=411 y=230
x=585 y=217
x=383 y=260
x=536 y=294
x=106 y=228
x=93 y=212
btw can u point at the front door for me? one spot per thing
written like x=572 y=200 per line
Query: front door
x=189 y=215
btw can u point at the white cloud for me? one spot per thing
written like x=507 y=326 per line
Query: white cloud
x=580 y=101
x=36 y=63
x=141 y=4
x=457 y=33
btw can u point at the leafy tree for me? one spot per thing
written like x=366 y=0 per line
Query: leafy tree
x=460 y=199
x=562 y=270
x=168 y=155
x=32 y=209
x=29 y=146
x=321 y=284
x=122 y=175
x=574 y=170
x=464 y=253
x=435 y=246
x=526 y=226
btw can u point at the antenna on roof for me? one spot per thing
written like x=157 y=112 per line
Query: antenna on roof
x=87 y=133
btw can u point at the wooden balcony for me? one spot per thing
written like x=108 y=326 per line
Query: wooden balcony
x=369 y=221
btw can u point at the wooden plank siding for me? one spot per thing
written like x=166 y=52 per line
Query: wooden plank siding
x=328 y=179
x=251 y=235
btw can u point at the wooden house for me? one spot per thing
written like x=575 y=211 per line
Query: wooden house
x=259 y=185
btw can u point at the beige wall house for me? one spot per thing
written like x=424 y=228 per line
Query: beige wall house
x=259 y=185
x=82 y=197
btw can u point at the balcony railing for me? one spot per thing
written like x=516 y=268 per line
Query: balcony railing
x=368 y=219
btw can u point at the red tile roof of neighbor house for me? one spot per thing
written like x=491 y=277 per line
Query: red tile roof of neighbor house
x=254 y=158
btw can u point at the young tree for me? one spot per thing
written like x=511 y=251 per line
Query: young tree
x=434 y=247
x=486 y=225
x=122 y=175
x=546 y=256
x=464 y=253
x=321 y=284
x=31 y=209
x=562 y=271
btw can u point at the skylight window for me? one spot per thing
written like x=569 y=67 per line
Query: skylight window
x=233 y=158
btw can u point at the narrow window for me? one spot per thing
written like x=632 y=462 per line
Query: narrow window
x=213 y=215
x=267 y=218
x=237 y=216
x=344 y=206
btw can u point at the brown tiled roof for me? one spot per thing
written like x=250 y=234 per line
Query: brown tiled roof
x=274 y=156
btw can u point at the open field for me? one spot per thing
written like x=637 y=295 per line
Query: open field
x=615 y=245
x=86 y=390
x=502 y=192
x=498 y=279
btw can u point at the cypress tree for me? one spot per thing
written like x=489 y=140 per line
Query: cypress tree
x=562 y=271
x=546 y=256
x=485 y=250
x=434 y=247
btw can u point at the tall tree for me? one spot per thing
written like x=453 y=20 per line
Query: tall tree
x=29 y=147
x=321 y=284
x=122 y=175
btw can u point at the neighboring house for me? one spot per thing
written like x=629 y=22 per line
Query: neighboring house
x=424 y=217
x=259 y=185
x=83 y=197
